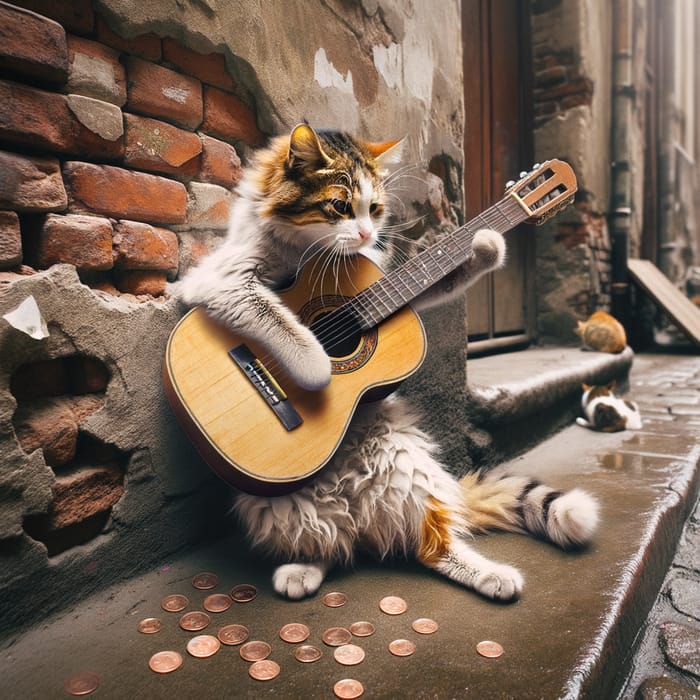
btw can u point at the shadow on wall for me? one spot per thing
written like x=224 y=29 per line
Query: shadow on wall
x=54 y=399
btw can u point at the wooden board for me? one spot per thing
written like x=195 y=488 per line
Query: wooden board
x=668 y=297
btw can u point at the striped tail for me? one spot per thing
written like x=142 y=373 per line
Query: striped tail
x=520 y=504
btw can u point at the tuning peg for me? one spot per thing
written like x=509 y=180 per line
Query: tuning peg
x=523 y=173
x=510 y=184
x=536 y=166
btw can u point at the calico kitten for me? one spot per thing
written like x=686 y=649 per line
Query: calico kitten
x=606 y=412
x=385 y=489
x=602 y=332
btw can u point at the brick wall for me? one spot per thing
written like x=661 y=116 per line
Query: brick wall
x=111 y=149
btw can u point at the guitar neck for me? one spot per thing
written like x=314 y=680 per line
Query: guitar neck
x=402 y=285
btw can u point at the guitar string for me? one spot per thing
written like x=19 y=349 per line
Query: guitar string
x=336 y=328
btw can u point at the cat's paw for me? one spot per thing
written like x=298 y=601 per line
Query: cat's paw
x=296 y=581
x=489 y=248
x=499 y=582
x=307 y=363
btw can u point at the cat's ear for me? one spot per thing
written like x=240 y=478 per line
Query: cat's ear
x=611 y=385
x=305 y=149
x=579 y=328
x=586 y=387
x=386 y=152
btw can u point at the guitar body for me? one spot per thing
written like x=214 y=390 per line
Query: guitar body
x=228 y=410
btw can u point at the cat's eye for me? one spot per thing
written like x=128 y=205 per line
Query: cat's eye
x=373 y=208
x=341 y=206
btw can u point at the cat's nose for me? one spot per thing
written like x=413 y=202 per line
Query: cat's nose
x=364 y=234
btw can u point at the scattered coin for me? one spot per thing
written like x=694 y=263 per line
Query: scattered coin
x=393 y=605
x=149 y=625
x=336 y=636
x=349 y=654
x=194 y=621
x=233 y=635
x=402 y=647
x=205 y=581
x=295 y=632
x=174 y=603
x=82 y=683
x=255 y=651
x=203 y=646
x=362 y=628
x=489 y=649
x=307 y=653
x=264 y=670
x=243 y=593
x=217 y=602
x=424 y=625
x=335 y=599
x=165 y=661
x=348 y=689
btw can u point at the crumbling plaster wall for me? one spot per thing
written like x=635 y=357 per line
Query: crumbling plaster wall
x=381 y=69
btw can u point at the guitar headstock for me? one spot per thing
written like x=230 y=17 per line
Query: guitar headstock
x=545 y=190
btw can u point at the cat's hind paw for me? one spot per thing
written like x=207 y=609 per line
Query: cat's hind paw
x=489 y=248
x=499 y=582
x=296 y=581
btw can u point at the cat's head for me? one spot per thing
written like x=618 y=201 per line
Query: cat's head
x=324 y=188
x=594 y=391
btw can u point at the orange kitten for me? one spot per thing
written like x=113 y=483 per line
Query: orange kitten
x=603 y=333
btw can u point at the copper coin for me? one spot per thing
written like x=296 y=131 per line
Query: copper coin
x=205 y=581
x=362 y=628
x=307 y=653
x=82 y=683
x=217 y=602
x=402 y=647
x=393 y=605
x=424 y=625
x=174 y=603
x=294 y=632
x=335 y=599
x=149 y=625
x=203 y=646
x=165 y=661
x=243 y=593
x=255 y=651
x=336 y=636
x=349 y=655
x=348 y=689
x=232 y=635
x=264 y=670
x=491 y=650
x=194 y=621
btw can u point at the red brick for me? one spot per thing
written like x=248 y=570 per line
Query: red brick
x=160 y=92
x=209 y=68
x=10 y=240
x=83 y=241
x=44 y=120
x=123 y=194
x=31 y=184
x=139 y=246
x=161 y=147
x=228 y=118
x=208 y=206
x=146 y=45
x=138 y=282
x=220 y=162
x=76 y=16
x=94 y=70
x=48 y=425
x=32 y=46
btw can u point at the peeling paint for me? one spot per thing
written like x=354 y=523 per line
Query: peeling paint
x=326 y=75
x=388 y=60
x=178 y=94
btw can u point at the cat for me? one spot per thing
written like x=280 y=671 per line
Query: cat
x=602 y=332
x=384 y=490
x=606 y=412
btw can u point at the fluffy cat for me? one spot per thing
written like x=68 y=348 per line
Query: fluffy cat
x=602 y=332
x=385 y=489
x=606 y=412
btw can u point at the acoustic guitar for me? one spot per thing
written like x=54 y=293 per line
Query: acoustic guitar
x=262 y=433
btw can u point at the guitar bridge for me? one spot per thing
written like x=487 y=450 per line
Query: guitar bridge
x=270 y=391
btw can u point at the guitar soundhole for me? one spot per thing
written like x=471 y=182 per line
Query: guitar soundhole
x=339 y=335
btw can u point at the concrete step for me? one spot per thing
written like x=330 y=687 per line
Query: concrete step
x=571 y=635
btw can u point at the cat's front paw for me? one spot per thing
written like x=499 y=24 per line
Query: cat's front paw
x=489 y=250
x=500 y=582
x=308 y=364
x=297 y=581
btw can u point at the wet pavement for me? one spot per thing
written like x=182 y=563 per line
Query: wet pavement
x=571 y=635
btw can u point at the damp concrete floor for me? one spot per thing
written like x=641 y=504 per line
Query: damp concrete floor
x=570 y=635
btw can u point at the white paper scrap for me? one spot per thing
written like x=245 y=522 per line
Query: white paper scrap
x=28 y=319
